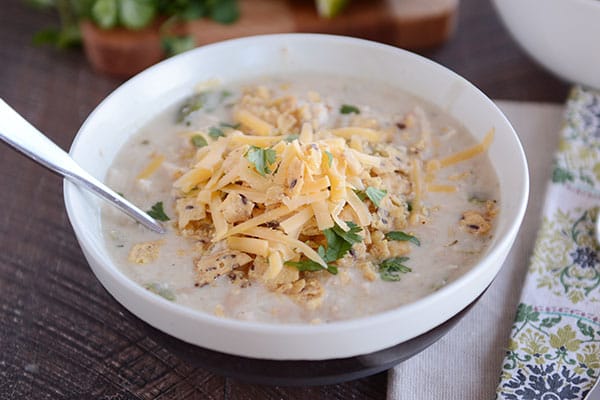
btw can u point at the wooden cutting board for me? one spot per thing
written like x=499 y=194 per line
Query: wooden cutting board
x=410 y=24
x=405 y=23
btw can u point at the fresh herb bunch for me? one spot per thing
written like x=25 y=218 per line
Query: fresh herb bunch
x=134 y=15
x=69 y=12
x=138 y=14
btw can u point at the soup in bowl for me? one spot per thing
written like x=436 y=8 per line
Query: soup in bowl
x=324 y=197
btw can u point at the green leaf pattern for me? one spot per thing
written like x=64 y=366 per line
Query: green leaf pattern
x=562 y=341
x=564 y=260
x=577 y=164
x=554 y=347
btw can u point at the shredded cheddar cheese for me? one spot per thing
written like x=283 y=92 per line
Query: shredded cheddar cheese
x=470 y=152
x=272 y=186
x=441 y=188
x=254 y=123
x=151 y=168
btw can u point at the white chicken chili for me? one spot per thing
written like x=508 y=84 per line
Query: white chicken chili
x=302 y=200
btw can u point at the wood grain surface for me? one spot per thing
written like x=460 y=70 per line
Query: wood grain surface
x=62 y=336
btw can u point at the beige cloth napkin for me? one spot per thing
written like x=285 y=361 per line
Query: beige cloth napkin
x=465 y=364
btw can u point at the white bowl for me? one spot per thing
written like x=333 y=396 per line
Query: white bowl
x=134 y=103
x=562 y=35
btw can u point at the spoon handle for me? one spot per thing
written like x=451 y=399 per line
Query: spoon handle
x=23 y=136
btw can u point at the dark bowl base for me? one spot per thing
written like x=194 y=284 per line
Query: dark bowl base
x=303 y=372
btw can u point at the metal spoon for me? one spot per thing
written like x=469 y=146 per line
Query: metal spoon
x=23 y=136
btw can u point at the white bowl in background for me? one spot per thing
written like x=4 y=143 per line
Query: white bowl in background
x=133 y=104
x=561 y=35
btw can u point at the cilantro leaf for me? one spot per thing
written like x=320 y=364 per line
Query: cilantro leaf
x=337 y=247
x=215 y=132
x=193 y=103
x=476 y=200
x=392 y=268
x=158 y=213
x=261 y=158
x=228 y=125
x=329 y=158
x=403 y=237
x=310 y=265
x=350 y=236
x=199 y=141
x=339 y=242
x=375 y=195
x=291 y=138
x=349 y=109
x=160 y=290
x=361 y=194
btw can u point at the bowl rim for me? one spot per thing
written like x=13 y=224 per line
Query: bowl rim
x=71 y=197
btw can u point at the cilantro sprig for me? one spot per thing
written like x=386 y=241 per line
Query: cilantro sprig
x=158 y=212
x=373 y=194
x=312 y=266
x=339 y=242
x=392 y=269
x=261 y=158
x=402 y=237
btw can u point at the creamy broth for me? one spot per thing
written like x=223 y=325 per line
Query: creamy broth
x=448 y=248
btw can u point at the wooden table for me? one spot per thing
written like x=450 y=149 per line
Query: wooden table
x=61 y=334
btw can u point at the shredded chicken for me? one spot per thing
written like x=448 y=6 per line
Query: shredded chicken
x=475 y=223
x=236 y=208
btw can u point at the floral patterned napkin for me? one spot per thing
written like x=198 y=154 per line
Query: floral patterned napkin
x=554 y=347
